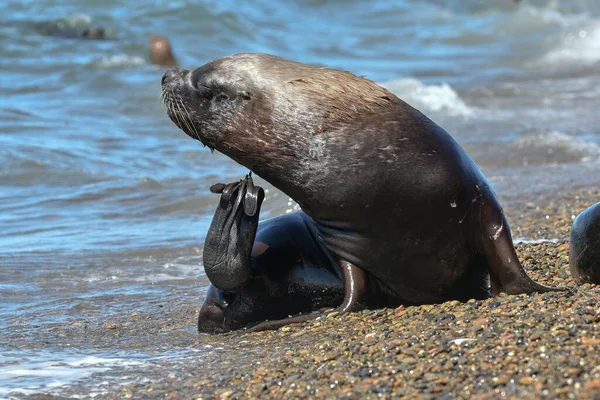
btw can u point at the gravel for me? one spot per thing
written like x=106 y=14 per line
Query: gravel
x=538 y=346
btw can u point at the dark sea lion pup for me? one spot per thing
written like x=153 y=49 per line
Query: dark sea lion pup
x=584 y=249
x=65 y=29
x=161 y=52
x=94 y=33
x=393 y=209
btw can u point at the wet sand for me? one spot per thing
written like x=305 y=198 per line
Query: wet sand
x=513 y=346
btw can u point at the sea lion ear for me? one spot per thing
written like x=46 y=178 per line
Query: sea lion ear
x=253 y=198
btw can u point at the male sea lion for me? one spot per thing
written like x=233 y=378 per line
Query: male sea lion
x=393 y=209
x=584 y=249
x=161 y=52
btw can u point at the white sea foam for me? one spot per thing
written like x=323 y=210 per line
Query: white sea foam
x=48 y=373
x=534 y=241
x=78 y=19
x=179 y=269
x=550 y=14
x=430 y=98
x=554 y=141
x=120 y=60
x=573 y=36
x=582 y=46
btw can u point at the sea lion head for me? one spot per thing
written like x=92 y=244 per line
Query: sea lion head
x=161 y=52
x=255 y=107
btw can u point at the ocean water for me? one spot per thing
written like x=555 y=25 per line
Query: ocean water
x=104 y=203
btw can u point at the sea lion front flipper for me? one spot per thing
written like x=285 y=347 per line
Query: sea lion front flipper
x=230 y=238
x=355 y=289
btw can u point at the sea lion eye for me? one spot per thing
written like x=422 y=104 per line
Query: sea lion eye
x=202 y=90
x=222 y=97
x=201 y=86
x=244 y=95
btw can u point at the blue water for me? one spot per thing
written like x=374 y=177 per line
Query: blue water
x=104 y=203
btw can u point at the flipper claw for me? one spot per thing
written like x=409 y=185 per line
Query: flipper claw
x=254 y=196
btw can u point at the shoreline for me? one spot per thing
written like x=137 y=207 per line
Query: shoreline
x=512 y=346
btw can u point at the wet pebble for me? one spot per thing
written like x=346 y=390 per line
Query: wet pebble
x=526 y=347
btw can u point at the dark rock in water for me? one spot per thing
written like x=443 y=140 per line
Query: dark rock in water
x=584 y=255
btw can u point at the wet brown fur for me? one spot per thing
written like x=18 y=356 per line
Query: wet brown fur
x=161 y=52
x=317 y=101
x=340 y=96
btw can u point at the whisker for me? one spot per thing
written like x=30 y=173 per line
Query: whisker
x=188 y=123
x=189 y=116
x=180 y=114
x=174 y=112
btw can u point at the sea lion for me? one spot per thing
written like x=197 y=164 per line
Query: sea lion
x=94 y=33
x=161 y=52
x=65 y=29
x=401 y=212
x=584 y=249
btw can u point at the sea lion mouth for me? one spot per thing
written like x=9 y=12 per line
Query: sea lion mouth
x=178 y=112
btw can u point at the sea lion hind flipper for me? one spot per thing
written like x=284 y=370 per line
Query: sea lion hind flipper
x=506 y=272
x=355 y=289
x=278 y=323
x=230 y=238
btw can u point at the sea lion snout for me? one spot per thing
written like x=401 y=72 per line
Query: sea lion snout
x=172 y=76
x=208 y=102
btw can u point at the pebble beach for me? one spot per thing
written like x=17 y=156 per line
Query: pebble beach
x=105 y=203
x=527 y=347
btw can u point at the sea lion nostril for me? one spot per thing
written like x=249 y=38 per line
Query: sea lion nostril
x=170 y=75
